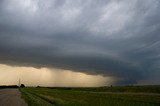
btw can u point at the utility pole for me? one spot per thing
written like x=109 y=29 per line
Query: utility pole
x=19 y=83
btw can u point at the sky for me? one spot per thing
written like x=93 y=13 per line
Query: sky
x=109 y=41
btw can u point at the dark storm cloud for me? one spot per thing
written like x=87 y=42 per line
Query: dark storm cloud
x=118 y=38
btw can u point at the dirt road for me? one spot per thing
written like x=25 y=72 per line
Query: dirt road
x=11 y=97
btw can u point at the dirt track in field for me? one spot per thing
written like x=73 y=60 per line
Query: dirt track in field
x=11 y=97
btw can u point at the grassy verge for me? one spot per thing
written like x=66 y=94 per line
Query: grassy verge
x=33 y=100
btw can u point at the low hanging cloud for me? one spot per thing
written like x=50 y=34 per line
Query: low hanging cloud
x=116 y=38
x=49 y=77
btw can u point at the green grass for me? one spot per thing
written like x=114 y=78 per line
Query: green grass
x=87 y=97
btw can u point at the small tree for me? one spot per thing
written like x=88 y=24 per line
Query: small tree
x=22 y=86
x=38 y=86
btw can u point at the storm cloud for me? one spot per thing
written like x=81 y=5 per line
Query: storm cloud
x=117 y=38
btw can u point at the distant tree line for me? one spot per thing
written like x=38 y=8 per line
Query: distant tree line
x=12 y=86
x=9 y=86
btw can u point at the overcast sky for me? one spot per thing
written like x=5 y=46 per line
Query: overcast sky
x=115 y=38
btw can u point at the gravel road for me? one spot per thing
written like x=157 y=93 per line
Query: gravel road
x=11 y=97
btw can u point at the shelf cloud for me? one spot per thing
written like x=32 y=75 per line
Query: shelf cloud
x=115 y=38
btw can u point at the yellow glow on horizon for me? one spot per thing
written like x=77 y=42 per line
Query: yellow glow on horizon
x=9 y=75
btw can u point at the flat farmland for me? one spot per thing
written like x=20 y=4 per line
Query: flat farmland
x=99 y=96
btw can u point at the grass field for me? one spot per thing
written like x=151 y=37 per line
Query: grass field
x=103 y=96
